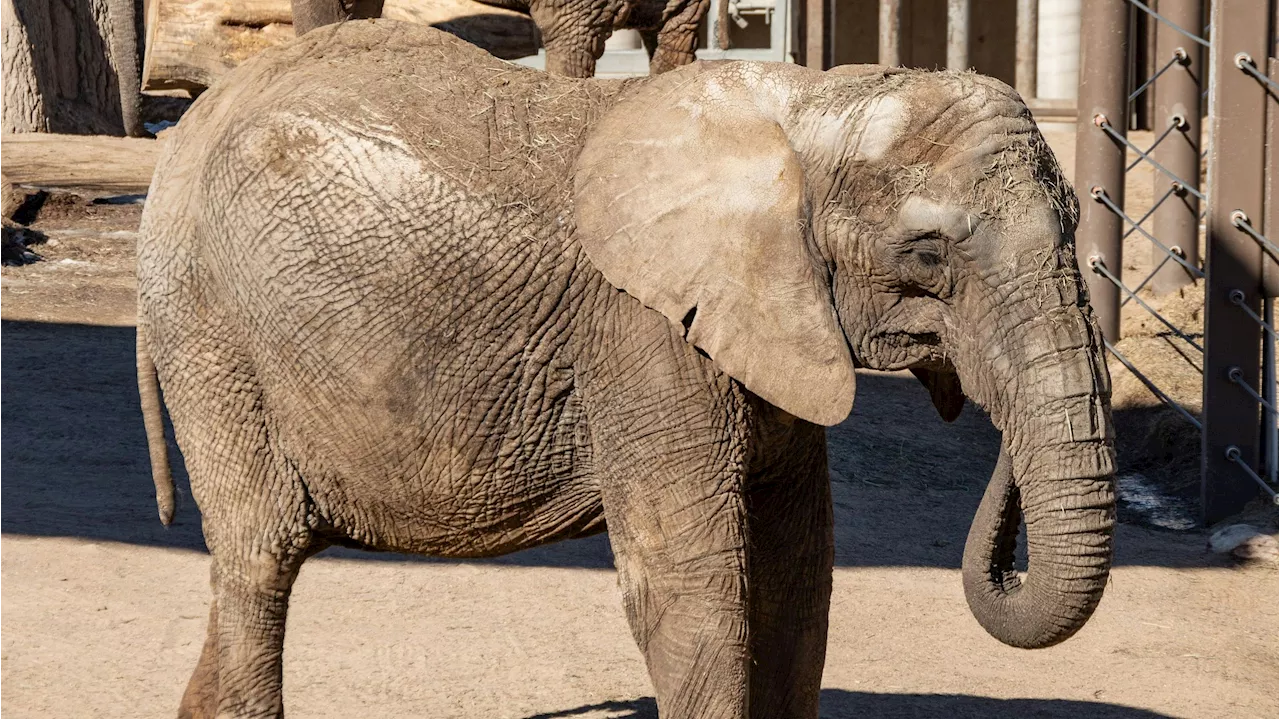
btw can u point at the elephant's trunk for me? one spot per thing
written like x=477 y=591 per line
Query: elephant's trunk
x=1056 y=471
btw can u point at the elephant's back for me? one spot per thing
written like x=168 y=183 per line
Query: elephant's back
x=487 y=123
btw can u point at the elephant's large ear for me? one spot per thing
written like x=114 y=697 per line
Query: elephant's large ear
x=690 y=197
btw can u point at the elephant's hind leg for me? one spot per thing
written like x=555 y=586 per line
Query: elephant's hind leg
x=252 y=596
x=255 y=517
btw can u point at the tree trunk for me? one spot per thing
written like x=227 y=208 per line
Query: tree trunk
x=71 y=66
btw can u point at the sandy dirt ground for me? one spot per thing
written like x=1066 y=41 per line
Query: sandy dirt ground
x=104 y=609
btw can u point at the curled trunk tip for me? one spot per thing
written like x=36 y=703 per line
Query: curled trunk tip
x=1059 y=593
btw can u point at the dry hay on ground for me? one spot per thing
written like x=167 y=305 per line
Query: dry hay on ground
x=1152 y=438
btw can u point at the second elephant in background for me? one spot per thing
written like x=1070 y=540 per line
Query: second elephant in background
x=573 y=31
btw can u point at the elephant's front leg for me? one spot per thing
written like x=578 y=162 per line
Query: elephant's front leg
x=676 y=518
x=573 y=34
x=676 y=42
x=789 y=576
x=311 y=14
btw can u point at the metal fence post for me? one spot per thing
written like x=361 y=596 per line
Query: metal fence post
x=890 y=32
x=815 y=34
x=1025 y=48
x=1100 y=159
x=1271 y=282
x=1177 y=112
x=1233 y=338
x=957 y=34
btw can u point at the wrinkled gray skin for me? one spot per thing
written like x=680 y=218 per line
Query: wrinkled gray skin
x=573 y=31
x=403 y=296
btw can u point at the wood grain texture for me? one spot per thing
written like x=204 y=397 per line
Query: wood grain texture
x=93 y=164
x=67 y=64
x=191 y=43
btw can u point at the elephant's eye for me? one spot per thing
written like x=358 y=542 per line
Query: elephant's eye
x=927 y=256
x=928 y=249
x=922 y=262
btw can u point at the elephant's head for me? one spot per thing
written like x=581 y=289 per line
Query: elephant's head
x=800 y=224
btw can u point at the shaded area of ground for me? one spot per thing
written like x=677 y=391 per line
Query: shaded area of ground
x=837 y=704
x=905 y=484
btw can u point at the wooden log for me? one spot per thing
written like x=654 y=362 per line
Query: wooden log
x=86 y=164
x=10 y=198
x=504 y=33
x=191 y=43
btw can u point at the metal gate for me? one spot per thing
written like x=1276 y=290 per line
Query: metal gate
x=1175 y=67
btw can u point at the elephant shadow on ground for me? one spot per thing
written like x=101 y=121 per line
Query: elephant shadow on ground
x=839 y=704
x=904 y=483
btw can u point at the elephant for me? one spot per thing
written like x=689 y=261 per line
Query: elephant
x=573 y=31
x=404 y=296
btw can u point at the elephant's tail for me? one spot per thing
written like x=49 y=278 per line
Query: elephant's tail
x=153 y=420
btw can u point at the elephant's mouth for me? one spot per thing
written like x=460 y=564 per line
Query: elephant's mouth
x=897 y=349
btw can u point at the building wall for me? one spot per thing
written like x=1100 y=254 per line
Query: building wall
x=924 y=34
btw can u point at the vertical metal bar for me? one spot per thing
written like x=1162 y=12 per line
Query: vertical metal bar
x=829 y=38
x=1270 y=270
x=714 y=35
x=957 y=34
x=1148 y=66
x=890 y=32
x=1270 y=442
x=1177 y=99
x=815 y=34
x=1271 y=202
x=1233 y=340
x=1104 y=36
x=1028 y=21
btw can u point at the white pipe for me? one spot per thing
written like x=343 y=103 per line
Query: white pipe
x=957 y=34
x=1058 y=50
x=624 y=40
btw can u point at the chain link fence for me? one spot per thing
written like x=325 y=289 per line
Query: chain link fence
x=1151 y=66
